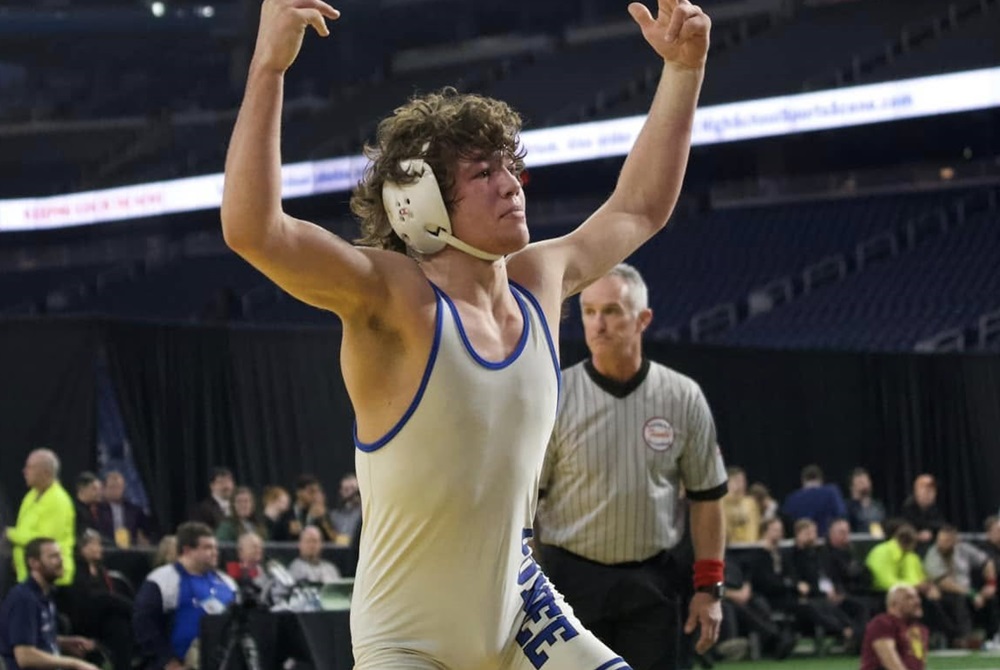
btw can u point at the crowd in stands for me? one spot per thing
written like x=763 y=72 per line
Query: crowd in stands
x=843 y=559
x=77 y=606
x=825 y=582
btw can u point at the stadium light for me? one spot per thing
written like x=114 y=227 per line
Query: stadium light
x=158 y=9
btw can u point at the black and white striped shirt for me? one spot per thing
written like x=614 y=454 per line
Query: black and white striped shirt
x=616 y=461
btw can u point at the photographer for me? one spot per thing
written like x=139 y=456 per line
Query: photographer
x=174 y=598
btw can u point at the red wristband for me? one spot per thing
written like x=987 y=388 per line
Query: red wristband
x=707 y=572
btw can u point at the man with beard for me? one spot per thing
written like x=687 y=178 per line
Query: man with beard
x=896 y=640
x=28 y=626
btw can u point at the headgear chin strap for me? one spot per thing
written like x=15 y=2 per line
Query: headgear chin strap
x=418 y=214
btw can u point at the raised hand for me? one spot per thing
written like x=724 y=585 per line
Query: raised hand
x=283 y=24
x=679 y=33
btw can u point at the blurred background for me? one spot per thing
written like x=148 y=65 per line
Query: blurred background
x=835 y=292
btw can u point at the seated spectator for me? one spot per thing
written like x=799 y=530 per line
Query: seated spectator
x=119 y=520
x=742 y=512
x=276 y=503
x=766 y=505
x=819 y=601
x=89 y=494
x=920 y=510
x=307 y=489
x=346 y=517
x=896 y=640
x=244 y=519
x=93 y=607
x=746 y=612
x=992 y=547
x=28 y=621
x=218 y=505
x=815 y=500
x=895 y=561
x=847 y=573
x=249 y=563
x=173 y=599
x=865 y=514
x=952 y=565
x=166 y=551
x=309 y=566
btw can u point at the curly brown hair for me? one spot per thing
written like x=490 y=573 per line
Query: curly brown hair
x=453 y=125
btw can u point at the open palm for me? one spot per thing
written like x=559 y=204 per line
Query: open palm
x=679 y=33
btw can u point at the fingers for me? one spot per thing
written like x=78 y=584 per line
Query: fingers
x=313 y=17
x=691 y=623
x=679 y=18
x=641 y=15
x=322 y=7
x=697 y=24
x=709 y=634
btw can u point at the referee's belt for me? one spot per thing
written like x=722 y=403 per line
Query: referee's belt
x=663 y=557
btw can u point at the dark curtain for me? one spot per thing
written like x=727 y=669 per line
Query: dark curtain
x=47 y=399
x=268 y=404
x=271 y=404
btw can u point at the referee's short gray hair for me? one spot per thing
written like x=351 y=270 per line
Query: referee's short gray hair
x=638 y=294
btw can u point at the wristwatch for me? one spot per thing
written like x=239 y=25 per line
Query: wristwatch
x=716 y=590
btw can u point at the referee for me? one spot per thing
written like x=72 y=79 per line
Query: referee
x=630 y=438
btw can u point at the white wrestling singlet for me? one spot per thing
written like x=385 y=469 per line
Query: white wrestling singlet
x=445 y=578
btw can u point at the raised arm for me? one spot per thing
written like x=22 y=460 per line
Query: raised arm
x=651 y=177
x=306 y=260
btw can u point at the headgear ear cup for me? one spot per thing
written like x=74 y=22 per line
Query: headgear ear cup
x=416 y=210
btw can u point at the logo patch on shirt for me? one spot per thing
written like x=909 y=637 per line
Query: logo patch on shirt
x=658 y=433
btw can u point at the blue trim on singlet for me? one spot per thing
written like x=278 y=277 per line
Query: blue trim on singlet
x=615 y=664
x=378 y=444
x=545 y=328
x=468 y=345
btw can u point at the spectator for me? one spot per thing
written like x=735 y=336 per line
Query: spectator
x=896 y=640
x=218 y=505
x=121 y=521
x=815 y=500
x=309 y=566
x=248 y=566
x=28 y=621
x=746 y=612
x=244 y=519
x=921 y=511
x=992 y=547
x=166 y=551
x=346 y=517
x=319 y=517
x=46 y=511
x=89 y=493
x=847 y=573
x=992 y=529
x=742 y=512
x=94 y=608
x=951 y=563
x=767 y=505
x=895 y=561
x=307 y=488
x=865 y=514
x=819 y=599
x=165 y=623
x=276 y=503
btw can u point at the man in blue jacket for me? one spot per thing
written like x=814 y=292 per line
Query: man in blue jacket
x=173 y=599
x=820 y=502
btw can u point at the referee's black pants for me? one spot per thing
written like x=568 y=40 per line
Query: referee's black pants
x=631 y=607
